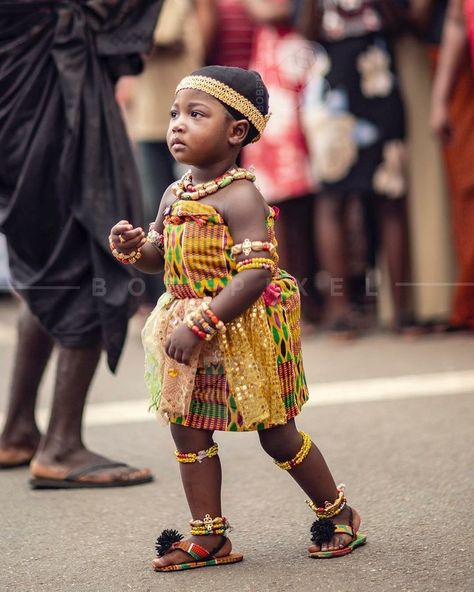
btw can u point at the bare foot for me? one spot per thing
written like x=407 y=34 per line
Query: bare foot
x=207 y=542
x=339 y=541
x=18 y=449
x=58 y=464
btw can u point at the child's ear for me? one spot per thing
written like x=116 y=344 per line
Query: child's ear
x=238 y=132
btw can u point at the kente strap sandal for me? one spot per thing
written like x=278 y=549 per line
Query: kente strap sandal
x=172 y=540
x=192 y=457
x=302 y=453
x=209 y=526
x=323 y=528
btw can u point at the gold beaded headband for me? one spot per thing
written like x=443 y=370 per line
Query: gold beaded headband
x=229 y=96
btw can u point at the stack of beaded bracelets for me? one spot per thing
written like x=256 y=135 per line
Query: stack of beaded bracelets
x=256 y=263
x=209 y=526
x=125 y=258
x=204 y=323
x=330 y=510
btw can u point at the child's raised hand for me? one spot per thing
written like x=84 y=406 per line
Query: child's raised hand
x=181 y=344
x=125 y=238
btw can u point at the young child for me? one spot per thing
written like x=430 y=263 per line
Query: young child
x=223 y=344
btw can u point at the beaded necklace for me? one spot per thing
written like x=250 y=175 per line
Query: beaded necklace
x=184 y=188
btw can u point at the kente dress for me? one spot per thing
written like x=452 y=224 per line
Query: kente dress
x=249 y=378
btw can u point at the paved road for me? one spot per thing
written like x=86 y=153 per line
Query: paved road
x=407 y=461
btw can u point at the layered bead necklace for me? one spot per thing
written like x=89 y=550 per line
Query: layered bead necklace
x=185 y=189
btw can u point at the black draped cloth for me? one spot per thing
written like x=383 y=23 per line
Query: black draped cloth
x=66 y=167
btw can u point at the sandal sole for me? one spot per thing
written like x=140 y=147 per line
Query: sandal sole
x=62 y=484
x=228 y=559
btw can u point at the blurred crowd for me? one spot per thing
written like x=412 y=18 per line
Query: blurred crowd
x=368 y=152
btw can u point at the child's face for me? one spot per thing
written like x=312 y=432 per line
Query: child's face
x=201 y=129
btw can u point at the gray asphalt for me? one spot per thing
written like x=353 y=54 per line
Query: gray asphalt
x=408 y=466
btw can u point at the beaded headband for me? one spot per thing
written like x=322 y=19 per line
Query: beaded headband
x=229 y=96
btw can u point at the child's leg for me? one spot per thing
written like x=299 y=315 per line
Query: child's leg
x=202 y=485
x=283 y=443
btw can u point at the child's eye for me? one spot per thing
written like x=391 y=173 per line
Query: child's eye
x=173 y=113
x=196 y=114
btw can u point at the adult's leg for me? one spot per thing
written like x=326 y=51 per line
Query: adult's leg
x=202 y=486
x=20 y=436
x=295 y=239
x=394 y=241
x=331 y=244
x=61 y=449
x=313 y=475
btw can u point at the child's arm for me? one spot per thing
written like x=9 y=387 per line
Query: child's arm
x=134 y=239
x=245 y=214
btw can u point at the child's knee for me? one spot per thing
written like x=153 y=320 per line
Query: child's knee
x=191 y=439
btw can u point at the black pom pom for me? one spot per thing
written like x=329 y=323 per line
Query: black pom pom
x=322 y=531
x=166 y=539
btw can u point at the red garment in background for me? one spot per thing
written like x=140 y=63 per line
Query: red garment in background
x=469 y=12
x=458 y=157
x=234 y=36
x=280 y=157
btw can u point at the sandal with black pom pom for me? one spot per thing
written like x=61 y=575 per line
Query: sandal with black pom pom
x=322 y=531
x=172 y=540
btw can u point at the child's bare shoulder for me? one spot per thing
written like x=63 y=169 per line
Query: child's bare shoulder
x=243 y=200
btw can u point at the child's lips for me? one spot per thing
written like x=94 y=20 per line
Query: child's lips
x=177 y=144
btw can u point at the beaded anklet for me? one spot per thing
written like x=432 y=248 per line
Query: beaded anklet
x=330 y=510
x=302 y=453
x=192 y=457
x=209 y=526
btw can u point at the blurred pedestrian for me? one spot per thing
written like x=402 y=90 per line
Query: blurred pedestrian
x=452 y=120
x=66 y=171
x=355 y=127
x=233 y=35
x=281 y=158
x=222 y=346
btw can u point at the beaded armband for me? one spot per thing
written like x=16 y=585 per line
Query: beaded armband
x=156 y=239
x=256 y=263
x=209 y=526
x=192 y=457
x=330 y=510
x=302 y=453
x=248 y=246
x=204 y=323
x=125 y=258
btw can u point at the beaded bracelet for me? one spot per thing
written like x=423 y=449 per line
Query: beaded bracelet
x=156 y=239
x=192 y=457
x=248 y=246
x=125 y=258
x=256 y=263
x=218 y=324
x=209 y=526
x=206 y=334
x=330 y=510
